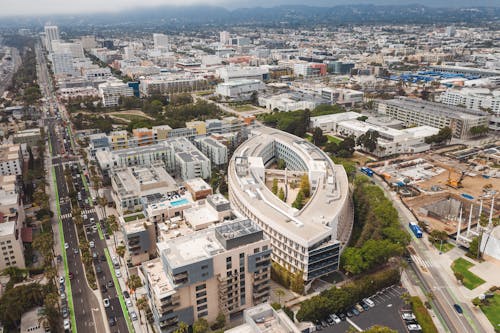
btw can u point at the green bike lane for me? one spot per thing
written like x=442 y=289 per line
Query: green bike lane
x=63 y=251
x=106 y=251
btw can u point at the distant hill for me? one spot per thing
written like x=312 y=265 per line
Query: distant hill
x=278 y=16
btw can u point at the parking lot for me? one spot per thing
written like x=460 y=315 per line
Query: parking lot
x=386 y=312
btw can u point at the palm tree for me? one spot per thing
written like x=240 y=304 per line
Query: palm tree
x=113 y=226
x=142 y=305
x=120 y=250
x=134 y=282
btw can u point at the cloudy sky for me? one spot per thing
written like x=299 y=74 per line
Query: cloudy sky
x=43 y=7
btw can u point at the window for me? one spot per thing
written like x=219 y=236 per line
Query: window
x=203 y=314
x=201 y=301
x=242 y=255
x=201 y=287
x=201 y=294
x=204 y=267
x=202 y=307
x=228 y=259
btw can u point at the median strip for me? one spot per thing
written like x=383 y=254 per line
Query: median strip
x=119 y=291
x=65 y=259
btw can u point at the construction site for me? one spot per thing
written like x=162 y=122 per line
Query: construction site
x=448 y=192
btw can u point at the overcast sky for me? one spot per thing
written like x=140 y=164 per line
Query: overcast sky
x=43 y=7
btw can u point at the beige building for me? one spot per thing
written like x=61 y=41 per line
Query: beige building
x=11 y=246
x=10 y=160
x=225 y=269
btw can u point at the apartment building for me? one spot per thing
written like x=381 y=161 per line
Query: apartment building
x=10 y=160
x=111 y=91
x=213 y=149
x=143 y=136
x=11 y=246
x=30 y=137
x=309 y=240
x=166 y=84
x=225 y=269
x=419 y=112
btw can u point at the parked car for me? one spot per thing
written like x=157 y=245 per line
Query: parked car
x=335 y=318
x=110 y=284
x=66 y=246
x=408 y=316
x=458 y=308
x=98 y=269
x=112 y=321
x=342 y=316
x=369 y=302
x=66 y=324
x=126 y=294
x=355 y=312
x=76 y=251
x=61 y=280
x=118 y=273
x=92 y=244
x=365 y=306
x=106 y=302
x=414 y=327
x=359 y=308
x=133 y=315
x=349 y=314
x=128 y=302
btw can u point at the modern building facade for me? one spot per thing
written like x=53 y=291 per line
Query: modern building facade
x=225 y=269
x=111 y=91
x=213 y=149
x=309 y=240
x=241 y=89
x=51 y=33
x=11 y=246
x=419 y=112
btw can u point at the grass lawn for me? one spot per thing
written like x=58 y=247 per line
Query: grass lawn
x=492 y=311
x=445 y=248
x=308 y=137
x=133 y=217
x=131 y=117
x=243 y=107
x=333 y=139
x=471 y=280
x=423 y=317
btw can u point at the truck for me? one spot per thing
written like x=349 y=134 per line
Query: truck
x=367 y=171
x=415 y=229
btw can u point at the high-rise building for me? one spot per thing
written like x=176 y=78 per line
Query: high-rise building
x=51 y=33
x=160 y=41
x=88 y=42
x=63 y=63
x=225 y=37
x=75 y=49
x=225 y=269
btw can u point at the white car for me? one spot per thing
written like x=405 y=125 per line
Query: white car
x=408 y=316
x=66 y=246
x=106 y=302
x=63 y=296
x=128 y=302
x=67 y=324
x=92 y=244
x=414 y=327
x=118 y=273
x=335 y=318
x=369 y=302
x=61 y=279
x=133 y=315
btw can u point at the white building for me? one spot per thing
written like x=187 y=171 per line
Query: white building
x=225 y=38
x=51 y=33
x=236 y=73
x=391 y=141
x=111 y=91
x=239 y=89
x=88 y=42
x=307 y=240
x=75 y=49
x=476 y=99
x=96 y=73
x=63 y=64
x=213 y=149
x=343 y=96
x=164 y=84
x=160 y=42
x=10 y=160
x=329 y=122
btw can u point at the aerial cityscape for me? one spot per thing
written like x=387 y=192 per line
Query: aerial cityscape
x=264 y=167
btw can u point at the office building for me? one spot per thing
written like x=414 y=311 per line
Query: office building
x=225 y=269
x=239 y=90
x=309 y=240
x=111 y=91
x=75 y=49
x=10 y=160
x=243 y=73
x=416 y=112
x=468 y=71
x=476 y=99
x=160 y=42
x=225 y=37
x=63 y=64
x=167 y=84
x=51 y=33
x=88 y=42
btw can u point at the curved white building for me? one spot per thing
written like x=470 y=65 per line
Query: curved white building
x=310 y=239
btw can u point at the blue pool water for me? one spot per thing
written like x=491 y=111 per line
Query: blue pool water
x=179 y=202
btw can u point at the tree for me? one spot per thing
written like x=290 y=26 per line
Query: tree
x=120 y=250
x=281 y=194
x=223 y=188
x=368 y=140
x=299 y=200
x=478 y=130
x=445 y=134
x=142 y=305
x=318 y=138
x=297 y=282
x=200 y=326
x=281 y=164
x=279 y=293
x=134 y=282
x=183 y=328
x=304 y=185
x=112 y=226
x=473 y=251
x=274 y=188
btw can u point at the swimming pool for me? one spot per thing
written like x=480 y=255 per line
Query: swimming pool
x=181 y=202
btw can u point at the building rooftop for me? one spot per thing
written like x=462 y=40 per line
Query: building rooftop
x=435 y=108
x=9 y=152
x=197 y=184
x=318 y=217
x=158 y=280
x=7 y=228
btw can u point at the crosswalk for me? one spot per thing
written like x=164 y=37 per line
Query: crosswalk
x=421 y=262
x=85 y=211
